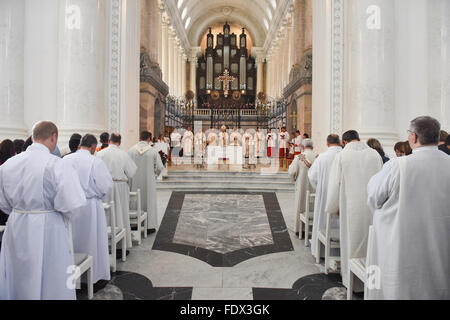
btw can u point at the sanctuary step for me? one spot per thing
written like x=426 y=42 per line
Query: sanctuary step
x=226 y=181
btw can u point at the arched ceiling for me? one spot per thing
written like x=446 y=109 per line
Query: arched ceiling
x=254 y=15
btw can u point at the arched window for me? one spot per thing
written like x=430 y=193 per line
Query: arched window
x=188 y=21
x=269 y=13
x=274 y=3
x=180 y=3
x=266 y=24
x=183 y=15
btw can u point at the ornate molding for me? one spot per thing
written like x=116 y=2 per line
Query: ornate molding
x=300 y=75
x=114 y=65
x=151 y=73
x=337 y=66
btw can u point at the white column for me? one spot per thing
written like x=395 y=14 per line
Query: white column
x=275 y=65
x=267 y=78
x=285 y=57
x=279 y=66
x=160 y=34
x=155 y=29
x=193 y=68
x=165 y=50
x=183 y=76
x=411 y=67
x=81 y=80
x=259 y=74
x=42 y=19
x=271 y=75
x=179 y=70
x=12 y=14
x=291 y=44
x=171 y=62
x=176 y=68
x=370 y=101
x=439 y=61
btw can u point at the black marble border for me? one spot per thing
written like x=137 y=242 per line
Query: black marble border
x=166 y=233
x=135 y=286
x=311 y=287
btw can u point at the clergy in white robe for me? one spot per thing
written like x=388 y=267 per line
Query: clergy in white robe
x=122 y=169
x=259 y=143
x=247 y=138
x=212 y=138
x=38 y=191
x=411 y=221
x=298 y=172
x=318 y=175
x=236 y=136
x=347 y=195
x=223 y=137
x=89 y=229
x=199 y=147
x=149 y=167
x=175 y=138
x=188 y=143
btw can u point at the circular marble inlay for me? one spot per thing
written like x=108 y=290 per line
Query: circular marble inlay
x=336 y=293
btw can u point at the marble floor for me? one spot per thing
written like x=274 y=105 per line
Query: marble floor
x=151 y=274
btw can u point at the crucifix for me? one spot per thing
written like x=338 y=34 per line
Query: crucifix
x=226 y=79
x=294 y=120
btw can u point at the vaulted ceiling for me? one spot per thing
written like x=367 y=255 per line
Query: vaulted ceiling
x=254 y=15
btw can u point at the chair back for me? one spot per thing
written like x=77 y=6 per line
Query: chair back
x=135 y=201
x=110 y=215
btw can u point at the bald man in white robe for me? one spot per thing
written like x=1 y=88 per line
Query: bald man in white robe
x=149 y=167
x=319 y=175
x=298 y=171
x=38 y=191
x=89 y=227
x=347 y=196
x=411 y=221
x=122 y=168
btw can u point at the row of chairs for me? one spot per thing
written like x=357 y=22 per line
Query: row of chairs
x=330 y=240
x=84 y=262
x=116 y=236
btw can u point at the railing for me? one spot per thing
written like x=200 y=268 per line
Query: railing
x=220 y=112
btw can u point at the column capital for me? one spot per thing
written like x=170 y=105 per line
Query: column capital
x=161 y=6
x=259 y=54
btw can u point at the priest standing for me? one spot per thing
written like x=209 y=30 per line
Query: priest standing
x=149 y=167
x=212 y=138
x=259 y=142
x=236 y=136
x=298 y=171
x=89 y=229
x=319 y=174
x=38 y=191
x=175 y=138
x=412 y=220
x=188 y=143
x=122 y=169
x=347 y=196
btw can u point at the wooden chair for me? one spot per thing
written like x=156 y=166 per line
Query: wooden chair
x=330 y=239
x=306 y=218
x=357 y=267
x=115 y=237
x=138 y=218
x=86 y=264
